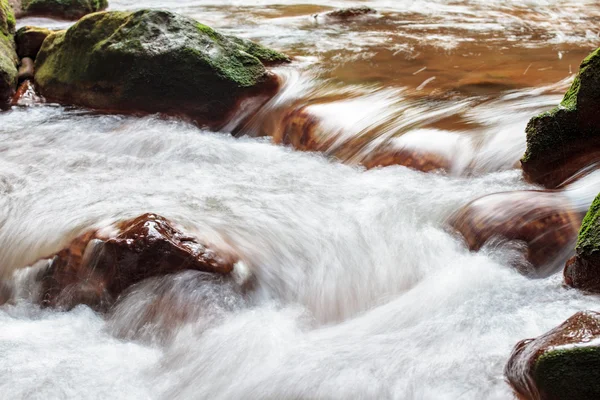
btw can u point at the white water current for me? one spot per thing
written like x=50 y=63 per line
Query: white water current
x=361 y=291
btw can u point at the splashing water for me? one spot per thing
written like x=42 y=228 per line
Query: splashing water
x=360 y=289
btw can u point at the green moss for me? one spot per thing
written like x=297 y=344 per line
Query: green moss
x=571 y=373
x=563 y=130
x=7 y=19
x=8 y=57
x=208 y=31
x=264 y=54
x=149 y=59
x=589 y=235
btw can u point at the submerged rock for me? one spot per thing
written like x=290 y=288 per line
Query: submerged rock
x=411 y=158
x=154 y=61
x=97 y=267
x=29 y=40
x=566 y=139
x=349 y=13
x=65 y=9
x=583 y=270
x=561 y=364
x=8 y=56
x=544 y=221
x=152 y=310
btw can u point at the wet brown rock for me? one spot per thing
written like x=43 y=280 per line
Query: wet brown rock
x=96 y=268
x=305 y=131
x=411 y=158
x=543 y=221
x=583 y=273
x=561 y=364
x=301 y=130
x=29 y=40
x=26 y=69
x=349 y=13
x=26 y=95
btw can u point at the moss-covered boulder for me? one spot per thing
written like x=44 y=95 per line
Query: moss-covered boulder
x=8 y=57
x=563 y=364
x=29 y=40
x=566 y=139
x=154 y=61
x=583 y=270
x=65 y=9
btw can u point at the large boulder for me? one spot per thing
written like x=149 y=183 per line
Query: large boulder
x=65 y=9
x=100 y=264
x=583 y=270
x=154 y=61
x=544 y=221
x=8 y=56
x=563 y=364
x=29 y=40
x=566 y=139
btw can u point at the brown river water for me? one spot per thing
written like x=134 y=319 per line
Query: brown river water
x=361 y=290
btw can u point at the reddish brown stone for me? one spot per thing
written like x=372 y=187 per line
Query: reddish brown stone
x=350 y=13
x=26 y=95
x=554 y=173
x=95 y=269
x=411 y=158
x=562 y=364
x=583 y=273
x=544 y=221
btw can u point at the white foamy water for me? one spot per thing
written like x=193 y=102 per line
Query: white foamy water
x=359 y=289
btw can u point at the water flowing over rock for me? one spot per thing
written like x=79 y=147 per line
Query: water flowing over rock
x=96 y=268
x=8 y=56
x=350 y=13
x=561 y=364
x=544 y=221
x=26 y=95
x=583 y=270
x=411 y=158
x=153 y=309
x=154 y=61
x=65 y=9
x=29 y=40
x=566 y=139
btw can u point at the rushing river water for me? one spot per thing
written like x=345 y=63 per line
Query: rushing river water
x=361 y=289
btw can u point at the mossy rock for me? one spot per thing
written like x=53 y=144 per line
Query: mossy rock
x=563 y=364
x=29 y=40
x=8 y=56
x=567 y=138
x=583 y=270
x=66 y=9
x=588 y=243
x=153 y=61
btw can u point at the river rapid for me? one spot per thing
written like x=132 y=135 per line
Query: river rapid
x=361 y=289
